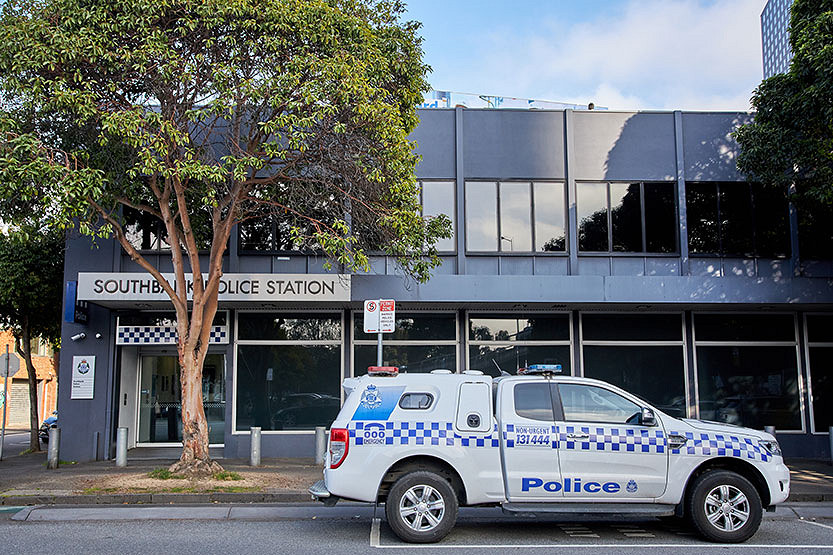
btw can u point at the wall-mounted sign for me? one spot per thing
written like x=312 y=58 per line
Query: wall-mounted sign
x=83 y=377
x=233 y=287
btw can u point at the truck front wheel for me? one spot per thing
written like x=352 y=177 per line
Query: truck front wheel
x=421 y=507
x=724 y=507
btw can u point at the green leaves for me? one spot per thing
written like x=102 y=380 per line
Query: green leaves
x=790 y=142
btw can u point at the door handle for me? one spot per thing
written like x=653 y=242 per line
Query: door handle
x=578 y=436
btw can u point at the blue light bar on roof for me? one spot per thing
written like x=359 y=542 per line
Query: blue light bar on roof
x=545 y=367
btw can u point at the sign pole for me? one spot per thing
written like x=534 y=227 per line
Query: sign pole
x=379 y=349
x=5 y=402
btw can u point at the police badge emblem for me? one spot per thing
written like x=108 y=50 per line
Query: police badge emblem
x=371 y=398
x=631 y=487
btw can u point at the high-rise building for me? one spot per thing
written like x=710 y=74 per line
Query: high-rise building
x=775 y=37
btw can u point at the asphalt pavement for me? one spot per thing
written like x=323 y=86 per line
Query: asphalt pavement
x=352 y=528
x=16 y=442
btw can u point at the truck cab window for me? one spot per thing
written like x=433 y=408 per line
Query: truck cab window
x=585 y=403
x=533 y=401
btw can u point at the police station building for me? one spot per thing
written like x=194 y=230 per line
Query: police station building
x=624 y=246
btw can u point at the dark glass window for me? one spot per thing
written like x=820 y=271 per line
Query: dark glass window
x=701 y=207
x=481 y=217
x=162 y=319
x=821 y=382
x=438 y=198
x=631 y=327
x=660 y=218
x=416 y=401
x=488 y=327
x=533 y=401
x=409 y=358
x=820 y=328
x=268 y=235
x=749 y=386
x=288 y=327
x=655 y=373
x=815 y=234
x=737 y=219
x=490 y=359
x=643 y=217
x=287 y=387
x=587 y=403
x=736 y=223
x=423 y=327
x=144 y=231
x=592 y=216
x=550 y=215
x=744 y=327
x=626 y=217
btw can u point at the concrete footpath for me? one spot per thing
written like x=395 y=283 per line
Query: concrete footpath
x=25 y=481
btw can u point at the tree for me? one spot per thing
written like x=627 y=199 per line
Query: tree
x=207 y=114
x=31 y=279
x=790 y=141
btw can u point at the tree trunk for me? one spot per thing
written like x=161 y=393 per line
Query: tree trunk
x=34 y=423
x=195 y=460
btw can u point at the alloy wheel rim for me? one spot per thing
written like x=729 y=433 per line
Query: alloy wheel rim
x=422 y=508
x=727 y=508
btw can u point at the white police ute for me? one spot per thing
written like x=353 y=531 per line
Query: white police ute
x=538 y=442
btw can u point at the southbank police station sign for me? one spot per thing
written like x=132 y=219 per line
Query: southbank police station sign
x=104 y=287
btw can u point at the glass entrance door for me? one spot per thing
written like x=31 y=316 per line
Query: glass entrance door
x=160 y=399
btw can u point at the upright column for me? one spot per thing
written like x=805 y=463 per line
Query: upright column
x=572 y=215
x=460 y=179
x=681 y=207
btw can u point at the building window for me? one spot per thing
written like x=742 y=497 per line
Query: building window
x=747 y=370
x=288 y=371
x=438 y=198
x=643 y=354
x=421 y=342
x=819 y=333
x=627 y=217
x=737 y=219
x=513 y=216
x=510 y=341
x=146 y=232
x=815 y=234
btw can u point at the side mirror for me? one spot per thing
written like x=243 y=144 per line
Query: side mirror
x=647 y=417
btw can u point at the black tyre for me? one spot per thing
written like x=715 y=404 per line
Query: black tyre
x=723 y=506
x=421 y=507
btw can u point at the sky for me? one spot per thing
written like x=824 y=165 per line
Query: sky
x=622 y=54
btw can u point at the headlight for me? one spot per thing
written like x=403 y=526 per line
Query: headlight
x=771 y=446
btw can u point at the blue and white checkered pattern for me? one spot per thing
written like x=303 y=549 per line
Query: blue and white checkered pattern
x=422 y=433
x=161 y=335
x=607 y=439
x=613 y=439
x=711 y=444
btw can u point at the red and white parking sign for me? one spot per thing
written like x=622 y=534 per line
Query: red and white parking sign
x=379 y=316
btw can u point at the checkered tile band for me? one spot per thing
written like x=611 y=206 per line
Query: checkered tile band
x=161 y=335
x=606 y=439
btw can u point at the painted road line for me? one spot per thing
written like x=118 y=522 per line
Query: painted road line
x=816 y=524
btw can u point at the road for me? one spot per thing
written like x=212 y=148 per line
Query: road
x=348 y=530
x=16 y=442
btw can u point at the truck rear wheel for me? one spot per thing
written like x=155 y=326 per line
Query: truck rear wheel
x=724 y=507
x=421 y=507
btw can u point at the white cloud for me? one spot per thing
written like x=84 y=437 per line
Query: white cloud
x=668 y=54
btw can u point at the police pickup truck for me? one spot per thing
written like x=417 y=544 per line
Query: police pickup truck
x=539 y=442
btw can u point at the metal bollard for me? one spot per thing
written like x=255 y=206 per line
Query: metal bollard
x=830 y=431
x=52 y=455
x=770 y=429
x=320 y=444
x=254 y=456
x=121 y=447
x=94 y=445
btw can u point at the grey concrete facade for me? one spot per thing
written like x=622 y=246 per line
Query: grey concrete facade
x=460 y=145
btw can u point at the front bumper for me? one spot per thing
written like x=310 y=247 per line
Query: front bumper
x=779 y=483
